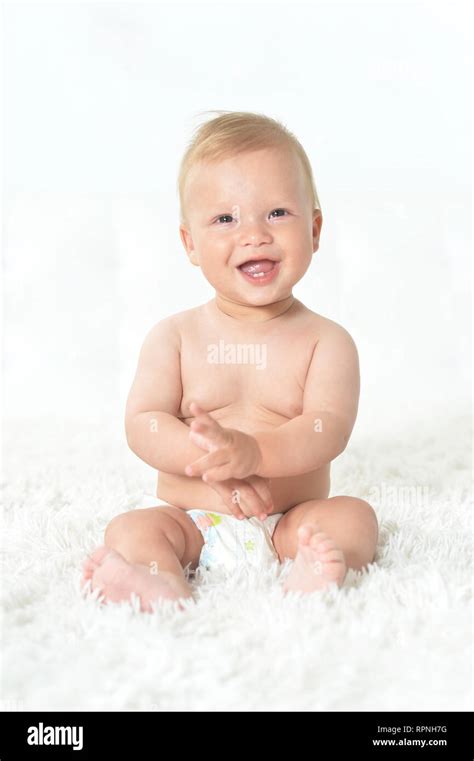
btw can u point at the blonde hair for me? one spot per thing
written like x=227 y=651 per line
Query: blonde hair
x=238 y=131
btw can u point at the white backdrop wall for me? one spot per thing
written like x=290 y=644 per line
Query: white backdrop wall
x=100 y=101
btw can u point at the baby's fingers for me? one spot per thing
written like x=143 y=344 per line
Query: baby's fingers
x=207 y=428
x=212 y=460
x=222 y=472
x=230 y=497
x=196 y=409
x=211 y=432
x=263 y=491
x=201 y=417
x=249 y=500
x=202 y=442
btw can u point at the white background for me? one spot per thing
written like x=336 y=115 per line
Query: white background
x=100 y=100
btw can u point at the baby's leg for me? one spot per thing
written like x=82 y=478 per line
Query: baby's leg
x=325 y=537
x=145 y=552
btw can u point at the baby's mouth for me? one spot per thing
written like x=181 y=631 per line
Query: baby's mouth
x=260 y=272
x=257 y=269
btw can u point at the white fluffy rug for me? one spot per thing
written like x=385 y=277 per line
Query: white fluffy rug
x=395 y=637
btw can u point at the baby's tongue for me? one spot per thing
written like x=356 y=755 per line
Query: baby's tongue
x=253 y=267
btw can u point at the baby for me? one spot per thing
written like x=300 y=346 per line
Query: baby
x=242 y=403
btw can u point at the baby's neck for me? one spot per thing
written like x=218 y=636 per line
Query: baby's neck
x=250 y=313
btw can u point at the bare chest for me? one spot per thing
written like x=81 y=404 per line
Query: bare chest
x=231 y=376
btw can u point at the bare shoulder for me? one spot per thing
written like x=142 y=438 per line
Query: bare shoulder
x=171 y=328
x=326 y=330
x=333 y=379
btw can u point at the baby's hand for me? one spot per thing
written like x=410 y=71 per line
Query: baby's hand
x=246 y=498
x=232 y=454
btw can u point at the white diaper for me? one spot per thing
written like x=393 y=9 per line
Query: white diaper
x=228 y=541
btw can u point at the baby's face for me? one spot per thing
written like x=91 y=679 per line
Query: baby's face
x=250 y=225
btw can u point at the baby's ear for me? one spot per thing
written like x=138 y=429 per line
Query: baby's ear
x=187 y=241
x=317 y=224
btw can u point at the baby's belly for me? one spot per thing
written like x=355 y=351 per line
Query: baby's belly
x=189 y=493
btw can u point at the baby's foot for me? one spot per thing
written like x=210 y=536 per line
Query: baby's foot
x=318 y=562
x=117 y=579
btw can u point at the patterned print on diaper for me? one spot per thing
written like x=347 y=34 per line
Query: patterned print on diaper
x=228 y=541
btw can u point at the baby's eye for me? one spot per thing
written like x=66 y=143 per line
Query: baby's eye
x=274 y=210
x=224 y=216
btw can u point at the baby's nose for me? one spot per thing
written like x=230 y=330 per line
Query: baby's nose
x=254 y=235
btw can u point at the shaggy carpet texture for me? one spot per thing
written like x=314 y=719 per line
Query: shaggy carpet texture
x=395 y=637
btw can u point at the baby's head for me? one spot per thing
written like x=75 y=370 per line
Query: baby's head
x=250 y=214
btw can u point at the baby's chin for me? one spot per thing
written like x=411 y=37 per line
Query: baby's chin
x=248 y=293
x=259 y=299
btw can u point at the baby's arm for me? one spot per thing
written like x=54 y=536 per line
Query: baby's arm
x=330 y=402
x=153 y=429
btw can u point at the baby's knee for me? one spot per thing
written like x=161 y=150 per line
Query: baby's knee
x=116 y=528
x=125 y=524
x=359 y=511
x=138 y=526
x=366 y=513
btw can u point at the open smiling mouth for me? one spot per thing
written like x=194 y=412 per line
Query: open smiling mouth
x=261 y=271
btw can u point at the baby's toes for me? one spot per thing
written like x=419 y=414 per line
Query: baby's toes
x=88 y=564
x=99 y=555
x=333 y=556
x=92 y=563
x=322 y=543
x=307 y=535
x=88 y=568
